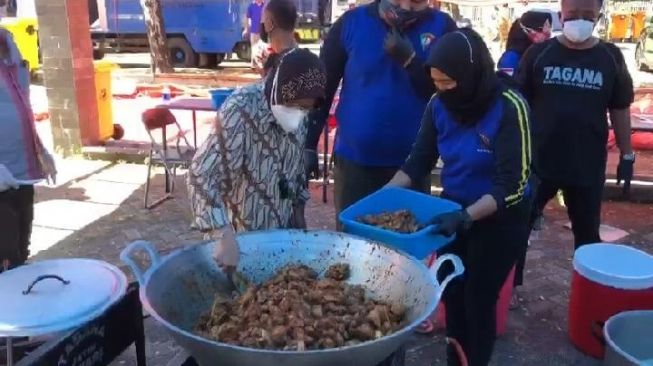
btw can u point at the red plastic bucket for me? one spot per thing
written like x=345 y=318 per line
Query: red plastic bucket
x=503 y=303
x=607 y=279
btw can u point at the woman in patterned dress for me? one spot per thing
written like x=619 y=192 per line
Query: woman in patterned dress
x=249 y=174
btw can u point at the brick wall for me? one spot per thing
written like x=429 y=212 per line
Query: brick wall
x=66 y=50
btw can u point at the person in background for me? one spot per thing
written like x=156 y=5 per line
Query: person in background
x=23 y=159
x=480 y=129
x=504 y=25
x=572 y=82
x=531 y=27
x=253 y=23
x=277 y=31
x=377 y=51
x=249 y=174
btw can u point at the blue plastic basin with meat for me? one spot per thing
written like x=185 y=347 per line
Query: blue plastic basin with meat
x=418 y=244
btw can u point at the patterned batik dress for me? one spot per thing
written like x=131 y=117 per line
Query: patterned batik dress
x=249 y=173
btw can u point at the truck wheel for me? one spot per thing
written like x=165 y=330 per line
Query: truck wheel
x=207 y=61
x=219 y=57
x=181 y=53
x=210 y=60
x=243 y=50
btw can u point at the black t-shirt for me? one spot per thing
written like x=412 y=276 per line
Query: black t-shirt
x=570 y=92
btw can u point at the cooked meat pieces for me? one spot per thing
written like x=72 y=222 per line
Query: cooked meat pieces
x=338 y=272
x=402 y=221
x=296 y=310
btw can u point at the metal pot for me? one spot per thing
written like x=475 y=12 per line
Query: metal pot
x=176 y=289
x=629 y=339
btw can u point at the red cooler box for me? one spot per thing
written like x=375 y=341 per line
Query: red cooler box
x=607 y=279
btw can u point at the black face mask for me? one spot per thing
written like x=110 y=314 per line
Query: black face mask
x=264 y=34
x=398 y=17
x=456 y=96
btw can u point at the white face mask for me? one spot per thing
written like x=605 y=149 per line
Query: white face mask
x=288 y=118
x=578 y=31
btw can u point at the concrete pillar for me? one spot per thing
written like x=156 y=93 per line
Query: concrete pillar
x=67 y=53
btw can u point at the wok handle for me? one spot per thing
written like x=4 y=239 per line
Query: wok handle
x=127 y=256
x=458 y=269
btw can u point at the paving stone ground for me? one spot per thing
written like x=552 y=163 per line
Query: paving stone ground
x=97 y=209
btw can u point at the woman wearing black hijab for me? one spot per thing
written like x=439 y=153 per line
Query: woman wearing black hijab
x=531 y=27
x=480 y=129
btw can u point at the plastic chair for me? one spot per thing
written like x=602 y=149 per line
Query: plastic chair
x=170 y=157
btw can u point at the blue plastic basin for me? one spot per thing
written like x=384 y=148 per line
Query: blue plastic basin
x=419 y=244
x=218 y=96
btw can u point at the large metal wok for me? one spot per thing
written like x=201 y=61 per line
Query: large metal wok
x=176 y=289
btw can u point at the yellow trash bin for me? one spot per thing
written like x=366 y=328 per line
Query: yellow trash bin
x=104 y=99
x=619 y=25
x=25 y=33
x=639 y=23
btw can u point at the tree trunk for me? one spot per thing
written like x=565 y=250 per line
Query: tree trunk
x=156 y=36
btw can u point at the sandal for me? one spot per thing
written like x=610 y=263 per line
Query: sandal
x=425 y=327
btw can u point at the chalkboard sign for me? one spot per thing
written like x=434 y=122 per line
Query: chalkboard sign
x=98 y=342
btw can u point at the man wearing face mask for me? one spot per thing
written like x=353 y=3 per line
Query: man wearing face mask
x=378 y=52
x=249 y=174
x=277 y=31
x=571 y=82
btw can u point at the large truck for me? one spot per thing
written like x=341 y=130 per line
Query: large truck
x=200 y=32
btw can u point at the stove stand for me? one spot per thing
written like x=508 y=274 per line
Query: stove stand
x=396 y=359
x=98 y=342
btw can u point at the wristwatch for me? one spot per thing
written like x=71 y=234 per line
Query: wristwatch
x=628 y=157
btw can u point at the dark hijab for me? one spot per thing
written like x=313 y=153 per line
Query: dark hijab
x=300 y=75
x=518 y=39
x=463 y=56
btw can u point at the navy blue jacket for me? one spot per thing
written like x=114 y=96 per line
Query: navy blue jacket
x=491 y=157
x=381 y=102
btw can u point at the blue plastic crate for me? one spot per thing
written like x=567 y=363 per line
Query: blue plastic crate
x=419 y=244
x=218 y=96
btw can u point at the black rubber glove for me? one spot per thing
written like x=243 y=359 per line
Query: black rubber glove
x=625 y=173
x=451 y=223
x=311 y=167
x=398 y=47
